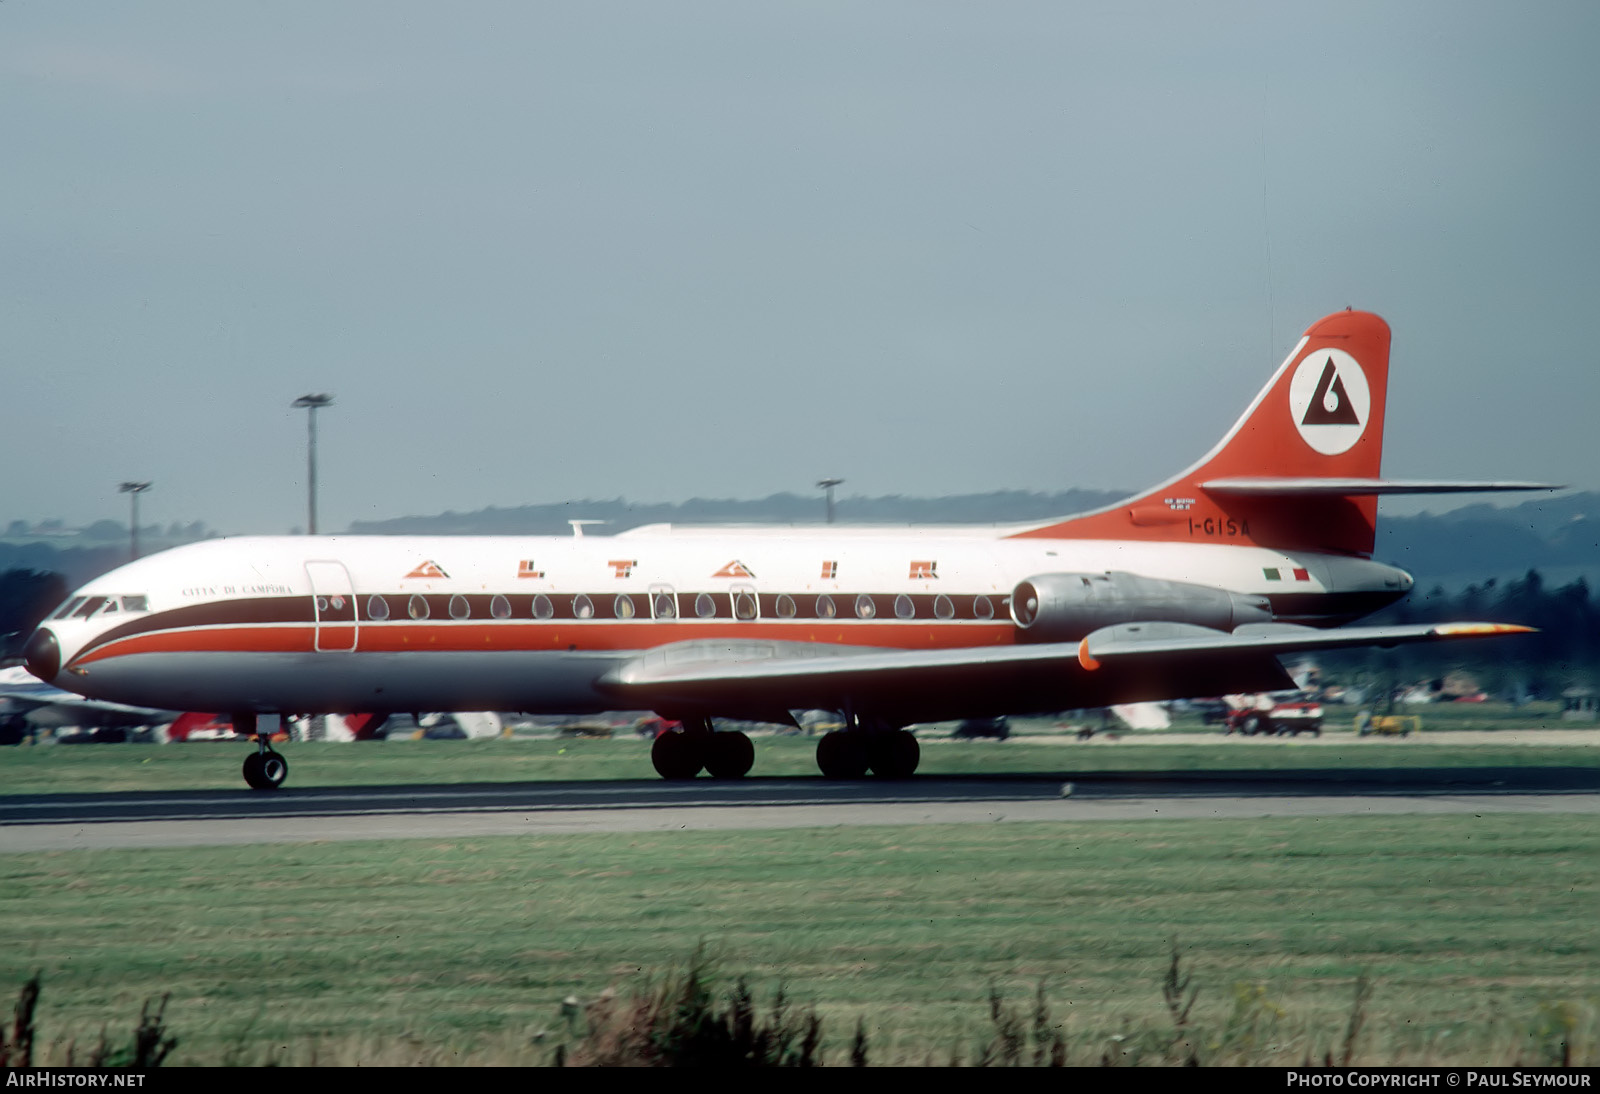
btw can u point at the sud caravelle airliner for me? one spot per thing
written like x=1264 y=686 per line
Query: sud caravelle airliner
x=1189 y=589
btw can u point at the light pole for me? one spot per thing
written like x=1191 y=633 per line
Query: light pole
x=133 y=490
x=312 y=403
x=828 y=485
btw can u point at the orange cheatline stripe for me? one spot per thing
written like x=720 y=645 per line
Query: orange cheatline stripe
x=556 y=634
x=280 y=639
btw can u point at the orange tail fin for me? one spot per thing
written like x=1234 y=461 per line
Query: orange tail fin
x=1320 y=417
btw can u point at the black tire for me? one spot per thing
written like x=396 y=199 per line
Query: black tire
x=678 y=755
x=1253 y=724
x=729 y=755
x=265 y=770
x=842 y=755
x=893 y=755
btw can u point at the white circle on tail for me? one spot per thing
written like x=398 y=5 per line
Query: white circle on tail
x=1330 y=401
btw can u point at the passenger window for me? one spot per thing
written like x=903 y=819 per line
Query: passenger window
x=744 y=606
x=623 y=606
x=904 y=608
x=582 y=607
x=377 y=608
x=865 y=608
x=982 y=609
x=943 y=608
x=459 y=608
x=704 y=606
x=666 y=608
x=825 y=607
x=542 y=608
x=417 y=607
x=500 y=608
x=785 y=607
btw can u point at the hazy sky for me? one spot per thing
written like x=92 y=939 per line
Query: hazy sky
x=660 y=250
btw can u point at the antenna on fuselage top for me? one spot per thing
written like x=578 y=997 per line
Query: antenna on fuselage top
x=577 y=526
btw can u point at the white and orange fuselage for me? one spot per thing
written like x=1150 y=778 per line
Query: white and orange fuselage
x=357 y=623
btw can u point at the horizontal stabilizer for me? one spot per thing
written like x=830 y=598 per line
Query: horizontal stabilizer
x=1350 y=488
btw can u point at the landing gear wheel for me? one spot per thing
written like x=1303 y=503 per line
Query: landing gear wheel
x=842 y=755
x=265 y=770
x=678 y=755
x=1254 y=724
x=729 y=755
x=893 y=755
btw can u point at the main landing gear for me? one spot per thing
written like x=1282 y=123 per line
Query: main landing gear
x=264 y=769
x=864 y=745
x=681 y=753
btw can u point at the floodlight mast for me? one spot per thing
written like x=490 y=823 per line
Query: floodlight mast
x=133 y=490
x=827 y=485
x=311 y=404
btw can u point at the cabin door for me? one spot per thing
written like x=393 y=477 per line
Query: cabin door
x=333 y=601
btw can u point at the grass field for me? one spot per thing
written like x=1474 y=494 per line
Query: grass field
x=109 y=768
x=1480 y=936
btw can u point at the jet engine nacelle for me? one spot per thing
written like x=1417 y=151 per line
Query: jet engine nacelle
x=1066 y=607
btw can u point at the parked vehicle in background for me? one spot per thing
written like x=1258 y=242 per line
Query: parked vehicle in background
x=1284 y=714
x=1390 y=725
x=971 y=729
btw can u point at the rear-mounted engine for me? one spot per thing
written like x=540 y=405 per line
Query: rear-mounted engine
x=1065 y=607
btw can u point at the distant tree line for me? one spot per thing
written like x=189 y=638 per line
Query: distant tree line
x=26 y=597
x=107 y=531
x=1564 y=653
x=999 y=507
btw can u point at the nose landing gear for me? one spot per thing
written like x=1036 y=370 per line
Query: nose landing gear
x=264 y=769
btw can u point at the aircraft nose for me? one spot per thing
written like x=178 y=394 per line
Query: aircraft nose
x=42 y=655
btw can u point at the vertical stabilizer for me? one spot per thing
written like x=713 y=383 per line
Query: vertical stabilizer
x=1319 y=417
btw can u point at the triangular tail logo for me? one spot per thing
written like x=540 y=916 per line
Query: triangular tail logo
x=734 y=569
x=1330 y=404
x=428 y=569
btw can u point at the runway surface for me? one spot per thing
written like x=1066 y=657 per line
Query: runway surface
x=197 y=818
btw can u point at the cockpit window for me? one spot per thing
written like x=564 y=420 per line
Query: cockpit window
x=69 y=607
x=135 y=603
x=109 y=606
x=90 y=606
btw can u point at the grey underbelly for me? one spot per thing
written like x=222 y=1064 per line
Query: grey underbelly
x=557 y=682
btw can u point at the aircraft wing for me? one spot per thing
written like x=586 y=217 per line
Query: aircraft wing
x=1136 y=662
x=1145 y=640
x=22 y=692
